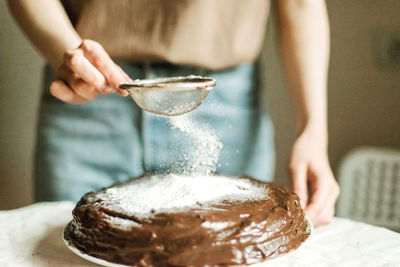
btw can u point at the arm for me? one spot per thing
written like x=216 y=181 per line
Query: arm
x=304 y=44
x=84 y=69
x=48 y=27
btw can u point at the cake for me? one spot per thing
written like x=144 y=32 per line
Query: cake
x=176 y=220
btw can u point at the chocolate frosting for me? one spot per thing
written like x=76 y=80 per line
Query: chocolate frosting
x=230 y=232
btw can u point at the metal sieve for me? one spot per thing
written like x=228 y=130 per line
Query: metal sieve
x=169 y=96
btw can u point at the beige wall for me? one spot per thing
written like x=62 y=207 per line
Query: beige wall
x=364 y=103
x=20 y=71
x=363 y=95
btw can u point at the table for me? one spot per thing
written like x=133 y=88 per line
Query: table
x=31 y=236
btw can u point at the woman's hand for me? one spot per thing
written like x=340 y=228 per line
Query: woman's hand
x=86 y=72
x=309 y=165
x=86 y=69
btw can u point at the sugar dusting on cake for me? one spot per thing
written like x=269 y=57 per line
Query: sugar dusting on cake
x=188 y=184
x=174 y=193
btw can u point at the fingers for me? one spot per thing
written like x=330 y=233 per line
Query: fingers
x=83 y=89
x=101 y=61
x=127 y=78
x=123 y=73
x=76 y=84
x=309 y=165
x=61 y=91
x=80 y=66
x=319 y=196
x=298 y=174
x=324 y=194
x=324 y=191
x=324 y=218
x=86 y=72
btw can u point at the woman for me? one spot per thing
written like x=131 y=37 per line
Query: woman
x=89 y=138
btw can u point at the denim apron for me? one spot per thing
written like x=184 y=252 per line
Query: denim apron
x=82 y=148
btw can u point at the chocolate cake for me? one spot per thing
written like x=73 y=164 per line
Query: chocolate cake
x=188 y=221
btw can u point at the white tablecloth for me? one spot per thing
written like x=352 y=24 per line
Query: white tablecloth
x=31 y=236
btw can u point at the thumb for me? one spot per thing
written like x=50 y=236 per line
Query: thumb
x=298 y=175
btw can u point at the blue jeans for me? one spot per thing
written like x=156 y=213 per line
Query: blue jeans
x=82 y=148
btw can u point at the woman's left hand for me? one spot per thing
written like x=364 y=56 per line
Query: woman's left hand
x=309 y=166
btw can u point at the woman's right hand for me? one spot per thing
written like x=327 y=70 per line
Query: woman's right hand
x=86 y=72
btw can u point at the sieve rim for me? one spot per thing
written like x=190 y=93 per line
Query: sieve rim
x=191 y=82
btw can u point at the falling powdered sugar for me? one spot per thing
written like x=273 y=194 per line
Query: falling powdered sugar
x=172 y=193
x=201 y=156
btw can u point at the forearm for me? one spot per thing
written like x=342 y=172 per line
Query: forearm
x=304 y=44
x=47 y=25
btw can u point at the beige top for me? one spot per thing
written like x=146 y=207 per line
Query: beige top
x=214 y=34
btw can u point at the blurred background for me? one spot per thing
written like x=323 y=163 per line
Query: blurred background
x=364 y=91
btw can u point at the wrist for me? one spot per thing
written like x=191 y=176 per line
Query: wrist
x=316 y=131
x=57 y=58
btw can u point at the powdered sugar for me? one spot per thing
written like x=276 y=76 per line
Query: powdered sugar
x=201 y=157
x=121 y=222
x=172 y=193
x=217 y=226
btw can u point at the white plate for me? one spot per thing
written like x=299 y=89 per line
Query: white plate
x=88 y=257
x=82 y=254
